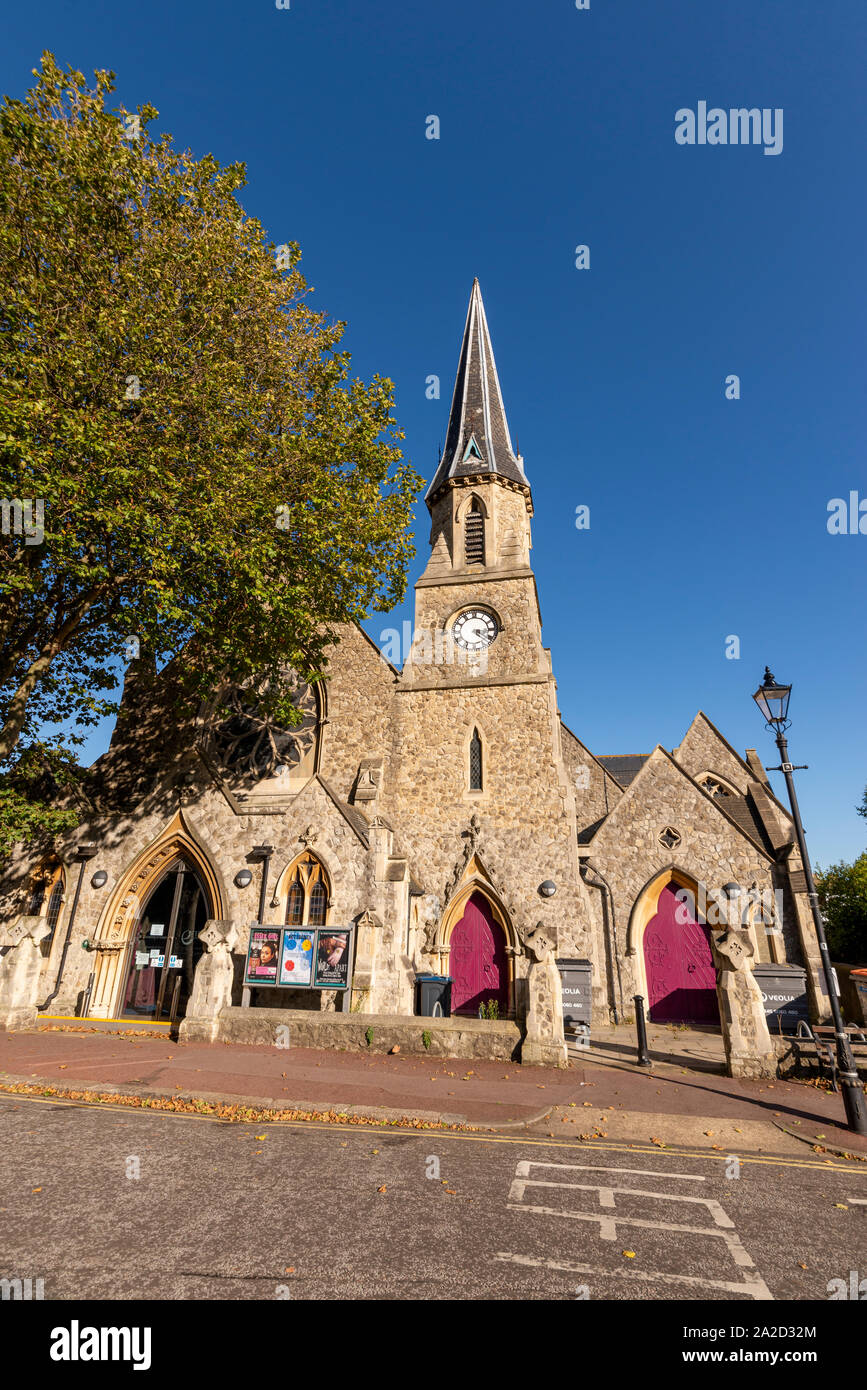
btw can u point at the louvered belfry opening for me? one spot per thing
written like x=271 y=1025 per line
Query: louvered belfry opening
x=475 y=535
x=475 y=762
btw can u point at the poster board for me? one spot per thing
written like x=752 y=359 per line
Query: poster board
x=299 y=957
x=263 y=955
x=332 y=969
x=297 y=953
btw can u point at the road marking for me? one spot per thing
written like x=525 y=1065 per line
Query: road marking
x=607 y=1193
x=757 y=1289
x=570 y=1146
x=523 y=1171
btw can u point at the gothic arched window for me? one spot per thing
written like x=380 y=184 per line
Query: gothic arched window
x=295 y=905
x=474 y=537
x=55 y=902
x=307 y=899
x=475 y=762
x=48 y=884
x=318 y=905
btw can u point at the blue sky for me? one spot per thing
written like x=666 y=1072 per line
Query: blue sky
x=707 y=516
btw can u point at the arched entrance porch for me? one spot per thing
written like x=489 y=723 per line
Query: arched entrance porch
x=165 y=947
x=158 y=909
x=674 y=951
x=478 y=961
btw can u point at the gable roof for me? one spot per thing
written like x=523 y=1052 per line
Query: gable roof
x=623 y=767
x=743 y=819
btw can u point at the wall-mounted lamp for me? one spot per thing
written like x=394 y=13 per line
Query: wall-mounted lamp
x=243 y=877
x=100 y=879
x=548 y=888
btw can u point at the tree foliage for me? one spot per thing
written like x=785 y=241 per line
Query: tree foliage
x=215 y=486
x=842 y=892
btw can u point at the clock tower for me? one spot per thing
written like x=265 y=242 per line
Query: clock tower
x=480 y=789
x=476 y=607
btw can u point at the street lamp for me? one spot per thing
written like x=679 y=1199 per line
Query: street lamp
x=773 y=701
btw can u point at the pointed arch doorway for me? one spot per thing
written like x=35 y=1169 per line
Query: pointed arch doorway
x=478 y=963
x=164 y=947
x=678 y=963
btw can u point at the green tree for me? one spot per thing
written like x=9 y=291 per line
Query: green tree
x=210 y=480
x=842 y=892
x=862 y=809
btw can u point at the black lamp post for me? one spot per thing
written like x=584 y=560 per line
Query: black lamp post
x=773 y=701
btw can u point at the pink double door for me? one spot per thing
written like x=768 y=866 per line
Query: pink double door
x=681 y=977
x=477 y=960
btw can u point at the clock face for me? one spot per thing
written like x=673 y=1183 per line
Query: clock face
x=475 y=629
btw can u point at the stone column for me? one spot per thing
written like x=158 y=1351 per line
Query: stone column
x=749 y=1050
x=368 y=927
x=212 y=984
x=20 y=971
x=544 y=1043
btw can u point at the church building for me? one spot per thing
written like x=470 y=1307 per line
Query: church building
x=442 y=810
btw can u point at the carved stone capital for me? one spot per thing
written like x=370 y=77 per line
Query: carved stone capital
x=217 y=935
x=537 y=943
x=22 y=927
x=368 y=919
x=734 y=948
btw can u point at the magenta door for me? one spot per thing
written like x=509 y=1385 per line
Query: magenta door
x=681 y=978
x=477 y=960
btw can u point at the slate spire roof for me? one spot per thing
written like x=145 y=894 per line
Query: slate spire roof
x=478 y=441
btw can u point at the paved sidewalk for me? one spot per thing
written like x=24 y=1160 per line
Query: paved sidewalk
x=449 y=1090
x=672 y=1104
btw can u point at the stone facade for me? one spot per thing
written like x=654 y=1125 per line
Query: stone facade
x=434 y=800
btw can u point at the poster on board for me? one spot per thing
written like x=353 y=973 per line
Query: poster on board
x=263 y=955
x=296 y=959
x=333 y=957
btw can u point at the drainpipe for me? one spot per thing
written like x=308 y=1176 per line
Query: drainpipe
x=601 y=882
x=81 y=857
x=264 y=853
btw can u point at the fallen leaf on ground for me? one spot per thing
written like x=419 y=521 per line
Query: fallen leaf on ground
x=630 y=1254
x=290 y=1269
x=382 y=1189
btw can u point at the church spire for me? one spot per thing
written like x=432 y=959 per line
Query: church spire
x=478 y=444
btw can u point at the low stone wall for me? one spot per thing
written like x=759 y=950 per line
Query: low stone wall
x=487 y=1040
x=801 y=1060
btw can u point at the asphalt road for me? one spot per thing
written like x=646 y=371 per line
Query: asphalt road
x=319 y=1212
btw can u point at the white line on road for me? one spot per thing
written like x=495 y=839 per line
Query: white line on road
x=756 y=1288
x=608 y=1227
x=523 y=1170
x=606 y=1195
